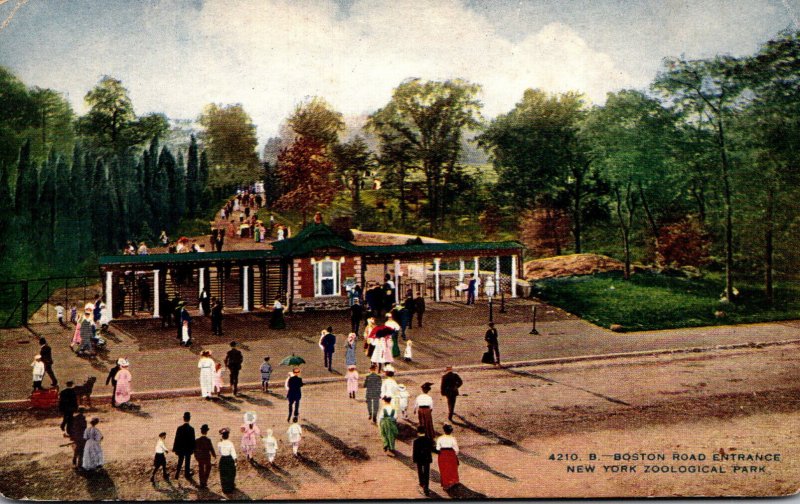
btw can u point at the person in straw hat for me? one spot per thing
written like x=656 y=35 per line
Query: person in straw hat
x=123 y=393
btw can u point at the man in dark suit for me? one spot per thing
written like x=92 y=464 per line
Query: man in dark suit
x=372 y=384
x=203 y=451
x=184 y=446
x=356 y=314
x=67 y=404
x=423 y=457
x=451 y=382
x=216 y=317
x=328 y=344
x=492 y=343
x=47 y=359
x=419 y=308
x=233 y=361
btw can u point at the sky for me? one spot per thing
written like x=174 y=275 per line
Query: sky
x=176 y=56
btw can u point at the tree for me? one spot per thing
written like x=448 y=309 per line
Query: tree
x=396 y=159
x=111 y=111
x=54 y=122
x=317 y=120
x=712 y=90
x=353 y=161
x=431 y=116
x=540 y=156
x=306 y=174
x=193 y=191
x=230 y=139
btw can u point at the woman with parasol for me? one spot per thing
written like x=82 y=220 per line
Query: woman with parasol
x=380 y=335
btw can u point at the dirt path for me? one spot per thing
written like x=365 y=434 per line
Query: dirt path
x=734 y=402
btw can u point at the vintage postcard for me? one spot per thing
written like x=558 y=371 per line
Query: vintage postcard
x=393 y=250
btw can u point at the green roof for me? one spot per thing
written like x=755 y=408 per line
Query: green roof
x=188 y=257
x=446 y=247
x=313 y=237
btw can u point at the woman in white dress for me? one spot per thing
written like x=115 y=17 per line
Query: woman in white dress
x=206 y=366
x=378 y=352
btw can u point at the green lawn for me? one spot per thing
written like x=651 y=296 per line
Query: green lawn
x=653 y=301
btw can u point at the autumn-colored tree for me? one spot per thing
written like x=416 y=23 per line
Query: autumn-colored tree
x=545 y=231
x=685 y=243
x=307 y=176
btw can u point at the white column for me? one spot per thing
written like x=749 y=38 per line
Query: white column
x=109 y=293
x=397 y=280
x=514 y=276
x=201 y=284
x=497 y=275
x=246 y=290
x=476 y=270
x=461 y=271
x=436 y=263
x=156 y=294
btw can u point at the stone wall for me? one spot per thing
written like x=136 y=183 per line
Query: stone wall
x=320 y=304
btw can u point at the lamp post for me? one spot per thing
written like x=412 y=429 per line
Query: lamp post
x=533 y=330
x=490 y=293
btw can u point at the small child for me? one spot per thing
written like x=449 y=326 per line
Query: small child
x=73 y=314
x=185 y=339
x=160 y=459
x=352 y=381
x=295 y=433
x=266 y=372
x=270 y=446
x=38 y=372
x=407 y=356
x=60 y=313
x=218 y=378
x=402 y=396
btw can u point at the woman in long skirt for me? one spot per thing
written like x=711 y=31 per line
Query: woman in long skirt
x=122 y=392
x=227 y=462
x=447 y=447
x=206 y=366
x=277 y=321
x=350 y=350
x=423 y=406
x=369 y=343
x=92 y=451
x=388 y=424
x=395 y=347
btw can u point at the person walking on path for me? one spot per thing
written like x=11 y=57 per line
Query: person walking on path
x=38 y=372
x=160 y=459
x=67 y=404
x=250 y=435
x=395 y=347
x=356 y=314
x=92 y=451
x=218 y=384
x=75 y=430
x=87 y=331
x=294 y=392
x=266 y=374
x=389 y=386
x=112 y=379
x=352 y=381
x=372 y=384
x=423 y=407
x=350 y=350
x=451 y=382
x=447 y=448
x=203 y=451
x=295 y=434
x=233 y=361
x=270 y=446
x=46 y=354
x=388 y=425
x=419 y=308
x=492 y=343
x=327 y=342
x=184 y=446
x=227 y=462
x=122 y=394
x=473 y=283
x=410 y=305
x=422 y=455
x=206 y=366
x=216 y=317
x=276 y=320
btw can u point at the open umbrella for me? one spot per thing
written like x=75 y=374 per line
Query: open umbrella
x=381 y=331
x=292 y=360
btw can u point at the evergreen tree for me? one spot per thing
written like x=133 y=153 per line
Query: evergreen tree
x=203 y=192
x=179 y=196
x=27 y=188
x=160 y=192
x=192 y=179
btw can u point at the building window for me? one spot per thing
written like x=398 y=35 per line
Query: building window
x=326 y=278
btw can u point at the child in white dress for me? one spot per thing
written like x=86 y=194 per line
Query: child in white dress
x=295 y=433
x=270 y=446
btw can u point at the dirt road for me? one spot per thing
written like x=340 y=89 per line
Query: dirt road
x=524 y=432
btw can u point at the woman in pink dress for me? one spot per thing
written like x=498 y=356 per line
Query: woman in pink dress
x=218 y=378
x=123 y=392
x=352 y=381
x=250 y=435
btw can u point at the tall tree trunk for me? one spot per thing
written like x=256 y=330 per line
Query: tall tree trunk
x=625 y=227
x=726 y=184
x=768 y=243
x=577 y=211
x=651 y=221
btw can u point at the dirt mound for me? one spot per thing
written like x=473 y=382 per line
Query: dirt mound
x=570 y=265
x=374 y=238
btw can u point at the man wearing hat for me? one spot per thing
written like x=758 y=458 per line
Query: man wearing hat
x=372 y=384
x=451 y=382
x=184 y=446
x=233 y=361
x=294 y=392
x=46 y=355
x=203 y=451
x=491 y=342
x=67 y=404
x=328 y=344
